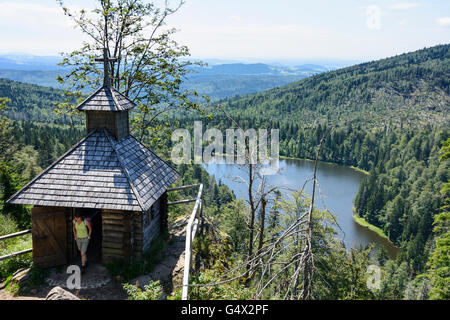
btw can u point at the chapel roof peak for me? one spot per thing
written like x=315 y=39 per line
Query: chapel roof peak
x=106 y=98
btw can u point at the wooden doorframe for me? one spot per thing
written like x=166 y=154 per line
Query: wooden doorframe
x=72 y=254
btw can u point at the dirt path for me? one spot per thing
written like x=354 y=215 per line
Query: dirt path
x=111 y=291
x=5 y=295
x=169 y=272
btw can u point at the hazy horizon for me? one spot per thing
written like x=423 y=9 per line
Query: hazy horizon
x=216 y=61
x=289 y=31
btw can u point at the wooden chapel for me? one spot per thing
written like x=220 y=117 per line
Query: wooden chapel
x=108 y=176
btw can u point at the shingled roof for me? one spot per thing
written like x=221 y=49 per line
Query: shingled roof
x=106 y=98
x=101 y=173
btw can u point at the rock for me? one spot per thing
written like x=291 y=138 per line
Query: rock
x=21 y=275
x=178 y=272
x=58 y=293
x=142 y=281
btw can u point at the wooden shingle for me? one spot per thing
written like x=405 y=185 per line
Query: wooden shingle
x=106 y=98
x=101 y=173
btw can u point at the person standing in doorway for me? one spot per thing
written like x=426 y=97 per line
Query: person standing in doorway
x=82 y=231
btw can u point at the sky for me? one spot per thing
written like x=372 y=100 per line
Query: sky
x=256 y=30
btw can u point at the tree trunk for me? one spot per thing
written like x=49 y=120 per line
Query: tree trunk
x=309 y=263
x=262 y=221
x=252 y=214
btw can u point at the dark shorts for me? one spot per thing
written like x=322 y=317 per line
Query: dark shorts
x=82 y=244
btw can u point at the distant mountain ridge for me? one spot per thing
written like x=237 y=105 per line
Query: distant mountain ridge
x=29 y=62
x=217 y=80
x=409 y=87
x=260 y=69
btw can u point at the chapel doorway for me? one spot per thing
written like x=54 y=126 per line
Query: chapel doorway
x=94 y=251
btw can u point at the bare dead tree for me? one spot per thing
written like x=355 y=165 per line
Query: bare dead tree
x=308 y=253
x=257 y=200
x=286 y=263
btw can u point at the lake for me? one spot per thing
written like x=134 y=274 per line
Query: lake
x=337 y=185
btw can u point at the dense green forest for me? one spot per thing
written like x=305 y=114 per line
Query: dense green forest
x=31 y=102
x=412 y=87
x=388 y=117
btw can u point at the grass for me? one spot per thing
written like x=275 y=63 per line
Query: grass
x=36 y=278
x=8 y=246
x=9 y=266
x=364 y=223
x=360 y=170
x=293 y=158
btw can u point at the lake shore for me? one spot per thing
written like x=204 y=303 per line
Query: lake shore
x=339 y=186
x=329 y=162
x=362 y=222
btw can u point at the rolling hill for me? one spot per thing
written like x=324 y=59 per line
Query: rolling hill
x=218 y=81
x=388 y=117
x=31 y=102
x=409 y=87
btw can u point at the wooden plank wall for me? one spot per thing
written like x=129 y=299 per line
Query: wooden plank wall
x=101 y=119
x=118 y=235
x=164 y=211
x=124 y=235
x=117 y=123
x=122 y=125
x=138 y=235
x=152 y=228
x=71 y=246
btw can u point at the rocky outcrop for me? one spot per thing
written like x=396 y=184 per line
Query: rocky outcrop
x=58 y=293
x=21 y=276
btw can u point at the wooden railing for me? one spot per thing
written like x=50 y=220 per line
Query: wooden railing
x=191 y=231
x=13 y=235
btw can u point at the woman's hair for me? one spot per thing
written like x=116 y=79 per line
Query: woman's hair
x=78 y=215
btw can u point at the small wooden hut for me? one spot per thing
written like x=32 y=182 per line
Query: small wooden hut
x=108 y=176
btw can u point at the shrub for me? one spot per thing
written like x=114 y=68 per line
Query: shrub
x=128 y=271
x=9 y=266
x=152 y=291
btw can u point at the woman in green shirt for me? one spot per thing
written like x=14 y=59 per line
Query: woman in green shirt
x=82 y=231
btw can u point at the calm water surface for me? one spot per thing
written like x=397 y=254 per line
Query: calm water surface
x=338 y=188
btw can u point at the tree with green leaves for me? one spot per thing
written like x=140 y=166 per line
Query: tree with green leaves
x=10 y=180
x=439 y=261
x=7 y=145
x=150 y=66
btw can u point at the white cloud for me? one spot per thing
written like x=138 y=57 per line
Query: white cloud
x=42 y=28
x=32 y=14
x=443 y=22
x=262 y=40
x=237 y=19
x=405 y=5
